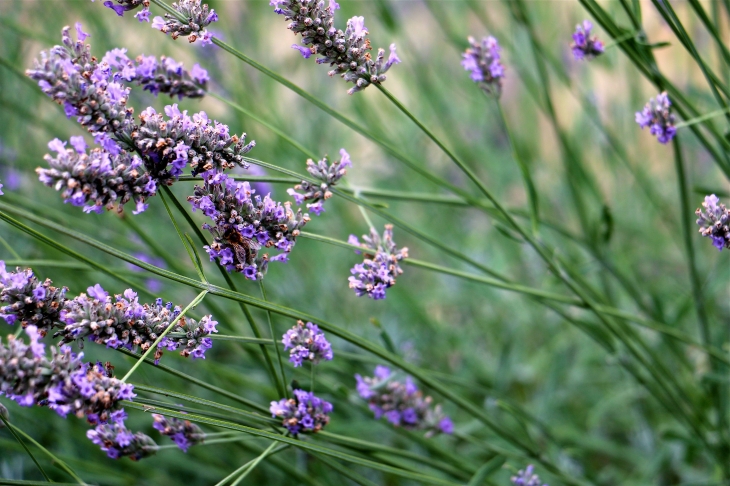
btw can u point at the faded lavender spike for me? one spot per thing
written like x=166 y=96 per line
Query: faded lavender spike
x=183 y=432
x=482 y=60
x=244 y=224
x=328 y=174
x=401 y=403
x=307 y=343
x=658 y=116
x=63 y=383
x=25 y=299
x=97 y=180
x=527 y=477
x=303 y=414
x=122 y=321
x=347 y=52
x=197 y=18
x=380 y=268
x=714 y=222
x=584 y=46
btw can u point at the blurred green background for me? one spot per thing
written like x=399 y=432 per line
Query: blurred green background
x=496 y=348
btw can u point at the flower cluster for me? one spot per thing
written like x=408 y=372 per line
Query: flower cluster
x=118 y=441
x=526 y=477
x=482 y=59
x=122 y=6
x=25 y=299
x=307 y=343
x=304 y=413
x=347 y=52
x=657 y=115
x=584 y=46
x=96 y=180
x=245 y=223
x=401 y=403
x=183 y=432
x=380 y=267
x=165 y=76
x=714 y=222
x=328 y=173
x=64 y=383
x=169 y=144
x=122 y=321
x=197 y=18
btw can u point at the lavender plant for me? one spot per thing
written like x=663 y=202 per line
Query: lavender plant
x=483 y=61
x=348 y=52
x=527 y=477
x=658 y=117
x=584 y=46
x=401 y=403
x=118 y=441
x=380 y=267
x=28 y=301
x=196 y=17
x=182 y=432
x=714 y=222
x=323 y=171
x=244 y=224
x=307 y=343
x=303 y=414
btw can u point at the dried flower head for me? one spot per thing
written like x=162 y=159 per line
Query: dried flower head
x=347 y=52
x=714 y=222
x=303 y=414
x=97 y=180
x=526 y=477
x=197 y=17
x=482 y=59
x=122 y=321
x=63 y=383
x=25 y=299
x=380 y=268
x=658 y=116
x=307 y=343
x=118 y=441
x=183 y=432
x=584 y=46
x=401 y=403
x=328 y=174
x=244 y=224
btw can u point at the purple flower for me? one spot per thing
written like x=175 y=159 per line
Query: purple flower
x=348 y=52
x=380 y=268
x=183 y=432
x=307 y=343
x=198 y=16
x=328 y=175
x=584 y=46
x=25 y=299
x=80 y=34
x=303 y=414
x=526 y=477
x=714 y=222
x=118 y=441
x=401 y=403
x=658 y=116
x=483 y=60
x=143 y=15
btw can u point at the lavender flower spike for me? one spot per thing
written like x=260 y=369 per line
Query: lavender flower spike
x=122 y=321
x=121 y=6
x=526 y=477
x=118 y=441
x=657 y=115
x=97 y=180
x=482 y=59
x=307 y=343
x=25 y=299
x=714 y=222
x=183 y=432
x=380 y=267
x=347 y=52
x=584 y=46
x=197 y=18
x=305 y=413
x=245 y=223
x=329 y=174
x=165 y=76
x=401 y=403
x=63 y=383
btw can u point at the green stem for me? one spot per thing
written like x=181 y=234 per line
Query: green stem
x=11 y=428
x=9 y=248
x=146 y=354
x=255 y=463
x=702 y=118
x=281 y=385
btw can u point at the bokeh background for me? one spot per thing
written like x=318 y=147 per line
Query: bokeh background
x=613 y=213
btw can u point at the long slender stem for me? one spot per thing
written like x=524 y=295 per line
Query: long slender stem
x=255 y=463
x=11 y=428
x=282 y=387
